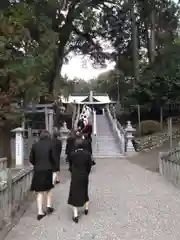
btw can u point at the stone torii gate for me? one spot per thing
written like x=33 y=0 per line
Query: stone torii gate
x=48 y=111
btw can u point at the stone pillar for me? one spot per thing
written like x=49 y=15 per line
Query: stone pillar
x=129 y=131
x=94 y=123
x=91 y=96
x=23 y=122
x=46 y=118
x=19 y=147
x=30 y=140
x=64 y=135
x=50 y=121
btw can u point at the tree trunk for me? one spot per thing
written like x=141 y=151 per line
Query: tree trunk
x=134 y=43
x=148 y=45
x=152 y=38
x=64 y=35
x=161 y=118
x=56 y=83
x=55 y=71
x=151 y=45
x=150 y=33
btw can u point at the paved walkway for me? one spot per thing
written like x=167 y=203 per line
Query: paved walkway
x=127 y=203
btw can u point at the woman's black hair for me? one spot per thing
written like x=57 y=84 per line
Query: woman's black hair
x=44 y=135
x=79 y=143
x=56 y=134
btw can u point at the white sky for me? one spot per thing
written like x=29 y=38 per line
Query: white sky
x=75 y=68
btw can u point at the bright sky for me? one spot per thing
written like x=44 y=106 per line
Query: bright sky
x=75 y=68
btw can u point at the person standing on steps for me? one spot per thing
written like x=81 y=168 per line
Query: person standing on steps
x=56 y=151
x=80 y=124
x=41 y=158
x=81 y=167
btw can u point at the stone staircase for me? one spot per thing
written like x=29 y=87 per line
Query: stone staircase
x=104 y=144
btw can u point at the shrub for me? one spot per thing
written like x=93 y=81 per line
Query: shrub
x=123 y=116
x=149 y=127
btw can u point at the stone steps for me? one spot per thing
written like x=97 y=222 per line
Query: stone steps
x=105 y=145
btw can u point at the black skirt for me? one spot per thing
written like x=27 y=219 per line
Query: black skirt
x=78 y=193
x=56 y=169
x=42 y=181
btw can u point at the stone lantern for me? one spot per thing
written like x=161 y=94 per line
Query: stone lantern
x=129 y=137
x=64 y=131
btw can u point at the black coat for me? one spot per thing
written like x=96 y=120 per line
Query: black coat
x=70 y=145
x=41 y=156
x=88 y=144
x=87 y=134
x=81 y=167
x=56 y=151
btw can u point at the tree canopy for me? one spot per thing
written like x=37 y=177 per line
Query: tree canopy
x=146 y=52
x=38 y=37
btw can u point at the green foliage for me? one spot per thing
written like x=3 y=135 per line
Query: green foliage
x=37 y=37
x=160 y=81
x=158 y=63
x=78 y=86
x=23 y=61
x=111 y=82
x=149 y=127
x=123 y=116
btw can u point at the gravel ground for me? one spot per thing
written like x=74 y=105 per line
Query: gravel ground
x=127 y=203
x=149 y=160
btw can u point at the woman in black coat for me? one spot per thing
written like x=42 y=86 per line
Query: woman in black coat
x=88 y=135
x=56 y=151
x=81 y=167
x=70 y=146
x=41 y=158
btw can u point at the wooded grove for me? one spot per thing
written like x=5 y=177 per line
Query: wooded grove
x=38 y=37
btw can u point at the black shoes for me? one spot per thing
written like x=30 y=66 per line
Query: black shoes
x=76 y=219
x=50 y=210
x=93 y=163
x=40 y=216
x=86 y=211
x=57 y=182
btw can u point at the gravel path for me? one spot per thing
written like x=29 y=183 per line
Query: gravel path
x=148 y=160
x=127 y=203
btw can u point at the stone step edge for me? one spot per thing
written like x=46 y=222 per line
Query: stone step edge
x=115 y=156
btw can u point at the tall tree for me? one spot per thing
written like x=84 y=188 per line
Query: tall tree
x=135 y=49
x=23 y=63
x=77 y=28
